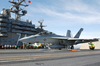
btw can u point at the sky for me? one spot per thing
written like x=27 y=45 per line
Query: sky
x=63 y=15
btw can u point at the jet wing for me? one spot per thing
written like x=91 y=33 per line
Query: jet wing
x=81 y=39
x=71 y=38
x=77 y=40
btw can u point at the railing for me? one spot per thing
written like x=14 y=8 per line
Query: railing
x=3 y=29
x=3 y=35
x=33 y=29
x=23 y=28
x=3 y=24
x=17 y=31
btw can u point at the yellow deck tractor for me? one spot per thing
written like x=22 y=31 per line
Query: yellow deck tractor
x=91 y=47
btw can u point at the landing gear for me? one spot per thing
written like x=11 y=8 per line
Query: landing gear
x=72 y=47
x=59 y=48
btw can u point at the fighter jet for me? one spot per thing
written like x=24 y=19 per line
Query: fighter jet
x=57 y=41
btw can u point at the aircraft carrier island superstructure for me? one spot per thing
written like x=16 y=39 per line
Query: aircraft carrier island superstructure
x=13 y=29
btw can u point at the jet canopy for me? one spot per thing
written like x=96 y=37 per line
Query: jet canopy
x=45 y=33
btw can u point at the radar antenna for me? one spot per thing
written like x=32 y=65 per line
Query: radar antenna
x=18 y=9
x=41 y=24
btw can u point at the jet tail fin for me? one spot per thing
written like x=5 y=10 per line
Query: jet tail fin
x=69 y=34
x=78 y=33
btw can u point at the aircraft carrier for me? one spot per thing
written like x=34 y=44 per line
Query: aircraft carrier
x=11 y=29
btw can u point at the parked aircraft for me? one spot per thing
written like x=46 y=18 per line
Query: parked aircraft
x=57 y=41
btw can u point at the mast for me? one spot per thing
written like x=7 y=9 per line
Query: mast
x=41 y=24
x=17 y=9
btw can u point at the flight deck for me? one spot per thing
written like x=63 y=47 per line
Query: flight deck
x=42 y=55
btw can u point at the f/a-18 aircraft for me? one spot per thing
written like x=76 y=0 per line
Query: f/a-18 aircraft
x=57 y=41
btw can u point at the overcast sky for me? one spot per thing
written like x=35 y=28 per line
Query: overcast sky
x=61 y=15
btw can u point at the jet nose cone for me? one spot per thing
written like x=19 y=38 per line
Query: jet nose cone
x=27 y=39
x=23 y=39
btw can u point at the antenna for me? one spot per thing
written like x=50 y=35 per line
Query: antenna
x=17 y=1
x=41 y=24
x=18 y=9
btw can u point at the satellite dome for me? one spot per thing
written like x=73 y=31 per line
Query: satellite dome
x=24 y=12
x=2 y=12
